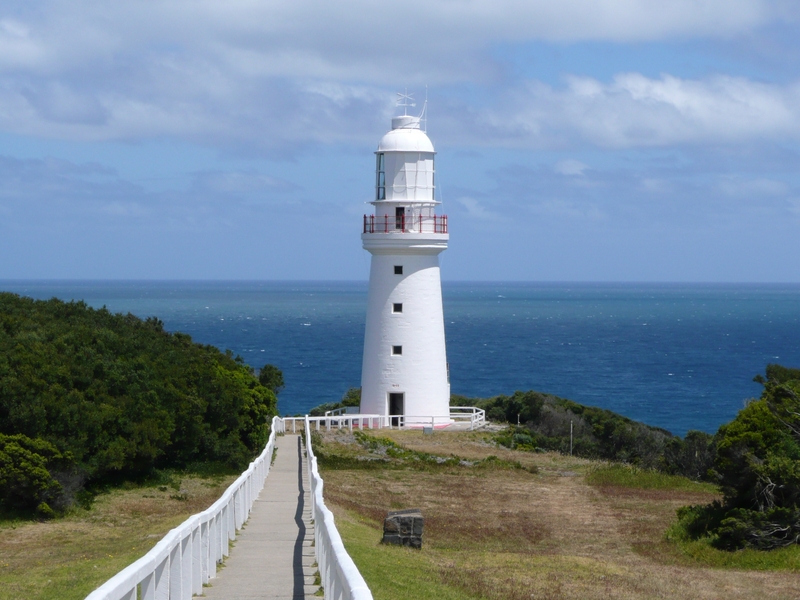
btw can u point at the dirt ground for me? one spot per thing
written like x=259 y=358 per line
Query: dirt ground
x=511 y=533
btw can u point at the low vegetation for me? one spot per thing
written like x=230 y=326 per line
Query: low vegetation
x=351 y=398
x=754 y=459
x=90 y=399
x=545 y=422
x=547 y=525
x=67 y=558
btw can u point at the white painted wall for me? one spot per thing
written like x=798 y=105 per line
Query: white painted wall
x=420 y=372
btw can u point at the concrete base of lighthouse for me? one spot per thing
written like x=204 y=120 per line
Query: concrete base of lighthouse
x=405 y=371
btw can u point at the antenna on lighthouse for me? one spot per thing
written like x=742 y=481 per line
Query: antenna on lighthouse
x=423 y=116
x=404 y=99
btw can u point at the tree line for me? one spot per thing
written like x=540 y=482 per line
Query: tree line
x=90 y=397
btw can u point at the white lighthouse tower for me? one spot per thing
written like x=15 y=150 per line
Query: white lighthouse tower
x=404 y=371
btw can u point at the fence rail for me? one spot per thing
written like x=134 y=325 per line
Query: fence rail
x=187 y=557
x=341 y=578
x=405 y=224
x=476 y=417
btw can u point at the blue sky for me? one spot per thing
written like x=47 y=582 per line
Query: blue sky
x=578 y=140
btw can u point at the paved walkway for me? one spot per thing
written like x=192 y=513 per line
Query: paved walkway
x=273 y=557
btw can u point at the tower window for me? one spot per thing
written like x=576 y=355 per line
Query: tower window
x=397 y=307
x=398 y=269
x=397 y=350
x=380 y=178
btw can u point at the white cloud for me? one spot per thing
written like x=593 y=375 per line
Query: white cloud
x=238 y=184
x=475 y=209
x=17 y=49
x=636 y=111
x=568 y=209
x=570 y=166
x=752 y=188
x=278 y=72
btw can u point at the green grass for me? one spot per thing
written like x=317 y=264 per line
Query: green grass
x=632 y=477
x=53 y=576
x=68 y=557
x=701 y=552
x=395 y=572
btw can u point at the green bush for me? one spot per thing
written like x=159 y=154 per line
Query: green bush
x=271 y=377
x=122 y=396
x=757 y=466
x=352 y=397
x=546 y=421
x=691 y=456
x=26 y=481
x=762 y=530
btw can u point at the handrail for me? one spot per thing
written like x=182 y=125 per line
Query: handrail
x=405 y=224
x=475 y=416
x=341 y=578
x=186 y=558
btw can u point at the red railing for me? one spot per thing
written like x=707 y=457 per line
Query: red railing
x=405 y=224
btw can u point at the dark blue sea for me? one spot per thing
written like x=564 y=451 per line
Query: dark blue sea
x=679 y=356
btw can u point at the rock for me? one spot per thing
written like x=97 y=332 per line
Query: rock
x=403 y=528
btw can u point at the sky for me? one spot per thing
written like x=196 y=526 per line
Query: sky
x=577 y=140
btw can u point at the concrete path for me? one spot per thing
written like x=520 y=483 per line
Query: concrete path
x=273 y=557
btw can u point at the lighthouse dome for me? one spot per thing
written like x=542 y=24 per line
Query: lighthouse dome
x=405 y=136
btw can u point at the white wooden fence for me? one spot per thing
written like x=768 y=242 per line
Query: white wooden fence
x=459 y=415
x=187 y=557
x=340 y=576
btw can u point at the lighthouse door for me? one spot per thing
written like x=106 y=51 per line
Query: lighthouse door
x=396 y=402
x=400 y=218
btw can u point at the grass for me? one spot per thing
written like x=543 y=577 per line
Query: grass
x=701 y=552
x=393 y=572
x=628 y=476
x=625 y=481
x=499 y=525
x=69 y=557
x=557 y=528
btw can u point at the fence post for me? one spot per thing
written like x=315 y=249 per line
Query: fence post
x=186 y=567
x=197 y=561
x=175 y=572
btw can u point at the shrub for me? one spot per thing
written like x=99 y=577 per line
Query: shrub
x=596 y=432
x=352 y=397
x=26 y=482
x=757 y=465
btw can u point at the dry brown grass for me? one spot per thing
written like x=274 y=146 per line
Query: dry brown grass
x=69 y=557
x=511 y=534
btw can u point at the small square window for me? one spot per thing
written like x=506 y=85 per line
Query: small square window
x=398 y=269
x=397 y=350
x=397 y=307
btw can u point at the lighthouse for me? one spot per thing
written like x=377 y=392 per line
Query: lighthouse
x=404 y=371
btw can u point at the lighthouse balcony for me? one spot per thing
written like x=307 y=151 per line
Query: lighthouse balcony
x=405 y=224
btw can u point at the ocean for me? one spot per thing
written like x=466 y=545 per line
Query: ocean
x=678 y=356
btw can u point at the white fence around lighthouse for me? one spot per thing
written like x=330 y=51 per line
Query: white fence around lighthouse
x=460 y=418
x=187 y=557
